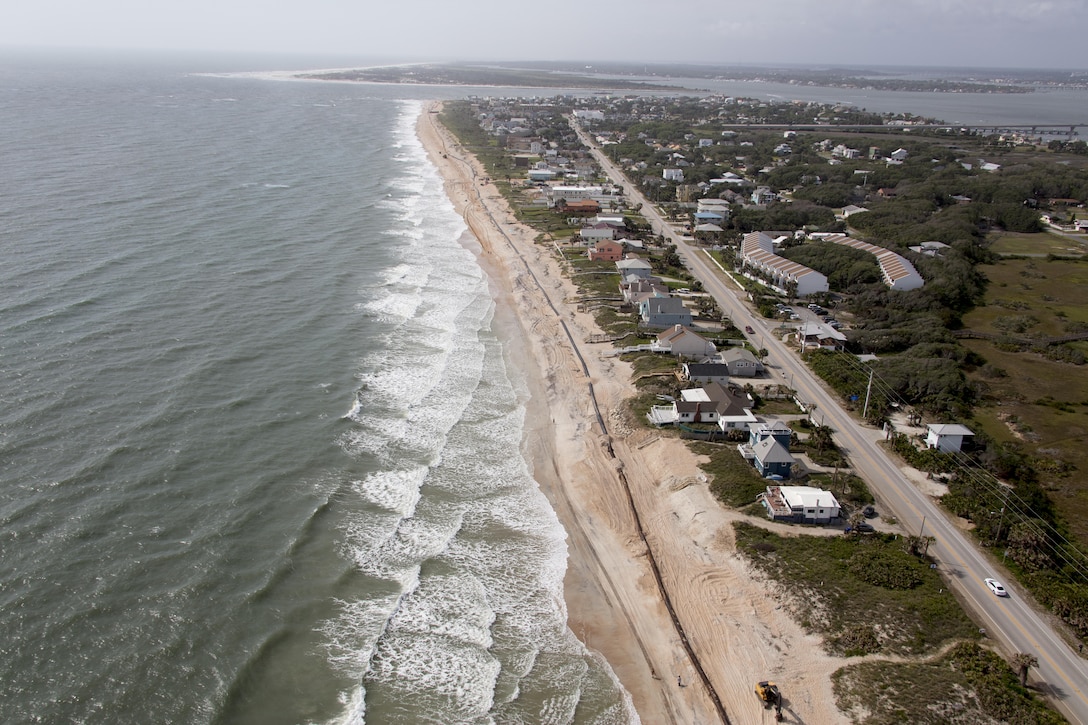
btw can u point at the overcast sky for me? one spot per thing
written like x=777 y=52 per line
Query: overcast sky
x=974 y=33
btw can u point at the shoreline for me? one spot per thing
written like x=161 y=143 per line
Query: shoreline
x=620 y=580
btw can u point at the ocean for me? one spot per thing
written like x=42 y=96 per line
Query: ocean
x=260 y=436
x=259 y=439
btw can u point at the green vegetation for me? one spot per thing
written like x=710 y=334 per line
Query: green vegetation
x=732 y=479
x=968 y=684
x=974 y=341
x=864 y=594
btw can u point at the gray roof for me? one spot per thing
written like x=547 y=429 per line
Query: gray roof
x=770 y=450
x=950 y=429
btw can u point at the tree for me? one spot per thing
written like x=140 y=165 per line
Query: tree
x=821 y=437
x=1022 y=662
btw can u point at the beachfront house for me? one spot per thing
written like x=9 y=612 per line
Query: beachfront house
x=664 y=312
x=799 y=504
x=771 y=458
x=636 y=289
x=682 y=342
x=606 y=250
x=634 y=268
x=705 y=373
x=777 y=430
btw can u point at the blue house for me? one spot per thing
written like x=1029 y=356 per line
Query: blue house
x=777 y=430
x=772 y=458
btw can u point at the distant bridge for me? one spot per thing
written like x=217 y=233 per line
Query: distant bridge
x=1035 y=129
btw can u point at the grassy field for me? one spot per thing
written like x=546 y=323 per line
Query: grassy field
x=1038 y=244
x=864 y=594
x=967 y=685
x=1038 y=403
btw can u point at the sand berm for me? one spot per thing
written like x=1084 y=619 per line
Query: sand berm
x=734 y=622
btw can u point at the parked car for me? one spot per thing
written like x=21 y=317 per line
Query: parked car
x=869 y=512
x=996 y=587
x=864 y=528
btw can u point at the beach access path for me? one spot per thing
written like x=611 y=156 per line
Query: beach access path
x=653 y=584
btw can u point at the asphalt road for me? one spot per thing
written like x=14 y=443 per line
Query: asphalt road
x=1012 y=621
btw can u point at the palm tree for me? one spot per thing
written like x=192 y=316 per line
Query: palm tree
x=1023 y=661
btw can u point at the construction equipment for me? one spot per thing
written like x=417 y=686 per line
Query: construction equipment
x=771 y=697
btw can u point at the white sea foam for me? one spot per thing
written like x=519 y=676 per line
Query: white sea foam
x=393 y=490
x=467 y=540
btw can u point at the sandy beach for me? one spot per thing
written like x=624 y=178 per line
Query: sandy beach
x=653 y=581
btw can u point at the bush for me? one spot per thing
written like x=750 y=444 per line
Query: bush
x=886 y=568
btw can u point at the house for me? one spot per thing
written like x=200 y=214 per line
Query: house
x=947 y=437
x=736 y=411
x=849 y=211
x=931 y=249
x=596 y=232
x=682 y=342
x=706 y=373
x=728 y=178
x=672 y=174
x=777 y=430
x=607 y=250
x=799 y=504
x=815 y=335
x=741 y=362
x=757 y=251
x=634 y=267
x=664 y=312
x=772 y=459
x=897 y=271
x=730 y=408
x=541 y=174
x=582 y=207
x=900 y=154
x=636 y=289
x=763 y=196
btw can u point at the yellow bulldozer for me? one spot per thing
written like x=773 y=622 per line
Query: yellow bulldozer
x=770 y=696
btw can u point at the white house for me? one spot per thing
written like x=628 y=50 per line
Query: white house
x=757 y=251
x=947 y=437
x=898 y=273
x=800 y=504
x=672 y=174
x=682 y=342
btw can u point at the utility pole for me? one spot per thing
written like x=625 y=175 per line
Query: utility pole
x=868 y=389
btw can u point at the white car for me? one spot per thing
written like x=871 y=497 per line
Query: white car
x=996 y=588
